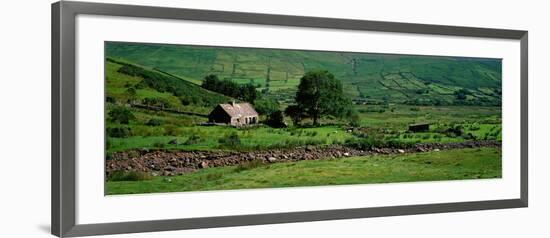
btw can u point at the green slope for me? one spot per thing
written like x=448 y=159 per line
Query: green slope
x=127 y=82
x=366 y=77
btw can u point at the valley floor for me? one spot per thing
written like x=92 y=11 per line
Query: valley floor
x=454 y=164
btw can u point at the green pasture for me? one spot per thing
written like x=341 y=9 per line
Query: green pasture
x=430 y=166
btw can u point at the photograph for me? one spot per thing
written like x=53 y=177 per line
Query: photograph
x=181 y=118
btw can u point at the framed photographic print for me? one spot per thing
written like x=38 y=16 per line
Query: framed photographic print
x=158 y=114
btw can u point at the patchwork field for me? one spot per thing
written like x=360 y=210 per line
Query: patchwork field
x=367 y=77
x=157 y=99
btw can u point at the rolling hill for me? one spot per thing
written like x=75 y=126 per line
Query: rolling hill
x=367 y=78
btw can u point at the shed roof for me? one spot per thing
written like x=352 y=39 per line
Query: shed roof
x=239 y=109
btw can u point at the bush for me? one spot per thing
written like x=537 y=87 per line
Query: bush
x=455 y=131
x=119 y=132
x=230 y=140
x=120 y=175
x=154 y=122
x=266 y=106
x=121 y=114
x=276 y=119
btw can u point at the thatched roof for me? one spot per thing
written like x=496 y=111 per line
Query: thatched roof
x=239 y=109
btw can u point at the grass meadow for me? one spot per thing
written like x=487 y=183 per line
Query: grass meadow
x=430 y=166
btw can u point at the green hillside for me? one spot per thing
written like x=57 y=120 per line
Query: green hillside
x=130 y=83
x=419 y=80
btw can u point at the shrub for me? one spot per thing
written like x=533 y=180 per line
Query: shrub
x=454 y=131
x=119 y=132
x=276 y=119
x=266 y=106
x=120 y=175
x=121 y=114
x=154 y=122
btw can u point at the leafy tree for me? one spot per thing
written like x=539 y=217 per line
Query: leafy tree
x=295 y=113
x=320 y=94
x=276 y=119
x=246 y=92
x=266 y=106
x=121 y=114
x=119 y=132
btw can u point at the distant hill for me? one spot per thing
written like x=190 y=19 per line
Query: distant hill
x=367 y=78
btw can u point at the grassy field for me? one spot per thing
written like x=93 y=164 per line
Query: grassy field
x=429 y=166
x=155 y=101
x=383 y=122
x=480 y=122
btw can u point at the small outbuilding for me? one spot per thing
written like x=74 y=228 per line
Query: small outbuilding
x=235 y=114
x=419 y=127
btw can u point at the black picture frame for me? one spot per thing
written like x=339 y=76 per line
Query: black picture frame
x=64 y=107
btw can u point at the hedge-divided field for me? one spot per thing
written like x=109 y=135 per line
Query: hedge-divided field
x=418 y=80
x=165 y=130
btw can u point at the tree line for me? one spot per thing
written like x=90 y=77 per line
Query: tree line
x=244 y=92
